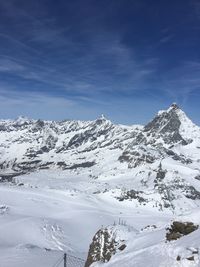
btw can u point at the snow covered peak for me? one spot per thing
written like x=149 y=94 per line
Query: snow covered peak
x=22 y=119
x=102 y=120
x=173 y=126
x=173 y=107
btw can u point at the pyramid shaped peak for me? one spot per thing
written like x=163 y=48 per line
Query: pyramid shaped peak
x=172 y=125
x=22 y=118
x=102 y=120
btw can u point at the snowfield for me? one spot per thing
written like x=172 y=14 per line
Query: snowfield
x=42 y=220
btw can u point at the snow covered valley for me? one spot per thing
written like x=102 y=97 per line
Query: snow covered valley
x=39 y=221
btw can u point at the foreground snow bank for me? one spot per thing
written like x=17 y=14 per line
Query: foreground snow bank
x=149 y=246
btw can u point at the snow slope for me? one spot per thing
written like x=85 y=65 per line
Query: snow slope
x=39 y=223
x=149 y=246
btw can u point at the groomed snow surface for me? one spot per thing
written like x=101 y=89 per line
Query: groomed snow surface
x=55 y=212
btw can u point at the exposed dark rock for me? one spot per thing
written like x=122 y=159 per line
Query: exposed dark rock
x=195 y=251
x=125 y=157
x=3 y=128
x=167 y=125
x=190 y=258
x=50 y=143
x=61 y=164
x=179 y=229
x=37 y=126
x=122 y=247
x=90 y=135
x=192 y=193
x=160 y=175
x=177 y=157
x=102 y=248
x=132 y=194
x=136 y=157
x=47 y=164
x=8 y=177
x=140 y=139
x=166 y=194
x=26 y=166
x=197 y=177
x=44 y=149
x=3 y=209
x=178 y=258
x=86 y=164
x=148 y=227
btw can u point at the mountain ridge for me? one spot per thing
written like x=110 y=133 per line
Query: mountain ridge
x=155 y=159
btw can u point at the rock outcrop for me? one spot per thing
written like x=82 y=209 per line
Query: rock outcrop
x=104 y=245
x=179 y=229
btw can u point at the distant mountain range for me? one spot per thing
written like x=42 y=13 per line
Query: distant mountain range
x=157 y=164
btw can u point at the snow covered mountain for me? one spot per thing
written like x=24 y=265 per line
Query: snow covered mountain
x=60 y=181
x=156 y=165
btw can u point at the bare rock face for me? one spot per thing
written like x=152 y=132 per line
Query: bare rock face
x=132 y=194
x=3 y=209
x=104 y=245
x=166 y=125
x=179 y=229
x=157 y=139
x=136 y=156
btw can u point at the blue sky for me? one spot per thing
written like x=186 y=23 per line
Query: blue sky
x=78 y=59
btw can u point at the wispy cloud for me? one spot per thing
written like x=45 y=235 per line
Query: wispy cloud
x=104 y=67
x=8 y=65
x=103 y=64
x=36 y=105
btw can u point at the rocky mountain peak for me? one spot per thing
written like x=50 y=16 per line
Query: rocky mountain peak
x=165 y=120
x=169 y=124
x=102 y=119
x=21 y=120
